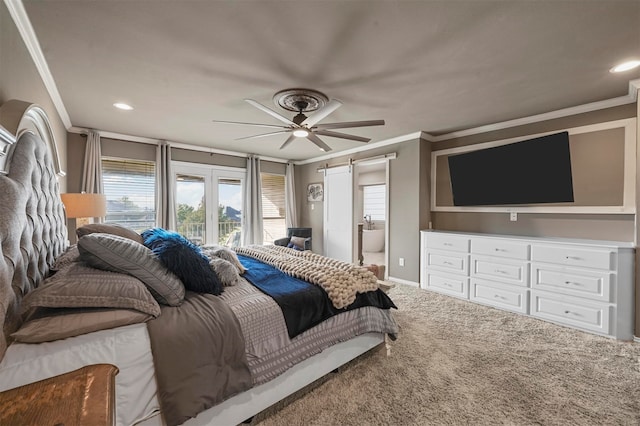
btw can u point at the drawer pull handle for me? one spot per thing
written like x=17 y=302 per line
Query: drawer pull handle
x=497 y=296
x=447 y=284
x=571 y=283
x=500 y=271
x=446 y=262
x=498 y=249
x=447 y=244
x=573 y=258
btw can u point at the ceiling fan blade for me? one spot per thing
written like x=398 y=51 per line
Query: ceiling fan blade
x=341 y=135
x=322 y=113
x=273 y=126
x=347 y=124
x=264 y=135
x=271 y=112
x=288 y=141
x=319 y=143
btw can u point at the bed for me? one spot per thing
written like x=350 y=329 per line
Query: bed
x=277 y=358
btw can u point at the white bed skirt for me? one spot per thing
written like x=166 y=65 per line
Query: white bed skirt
x=128 y=348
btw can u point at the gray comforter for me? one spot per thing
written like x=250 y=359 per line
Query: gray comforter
x=199 y=356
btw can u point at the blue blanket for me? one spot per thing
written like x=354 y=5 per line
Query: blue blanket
x=303 y=304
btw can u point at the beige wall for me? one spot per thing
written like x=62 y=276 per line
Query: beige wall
x=19 y=79
x=602 y=161
x=143 y=151
x=597 y=170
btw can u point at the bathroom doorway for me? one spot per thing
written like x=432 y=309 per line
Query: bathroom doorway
x=371 y=210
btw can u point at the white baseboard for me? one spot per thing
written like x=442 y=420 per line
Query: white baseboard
x=401 y=281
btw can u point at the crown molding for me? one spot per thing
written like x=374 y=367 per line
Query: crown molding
x=179 y=145
x=20 y=18
x=629 y=98
x=634 y=87
x=398 y=139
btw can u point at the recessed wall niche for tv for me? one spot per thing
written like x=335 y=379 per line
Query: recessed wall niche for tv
x=534 y=171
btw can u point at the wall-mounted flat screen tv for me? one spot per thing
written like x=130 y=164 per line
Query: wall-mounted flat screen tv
x=528 y=172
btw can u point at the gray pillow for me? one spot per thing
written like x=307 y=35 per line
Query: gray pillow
x=80 y=286
x=226 y=271
x=49 y=324
x=70 y=255
x=298 y=242
x=119 y=254
x=108 y=228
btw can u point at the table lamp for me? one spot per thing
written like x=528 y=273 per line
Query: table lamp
x=83 y=206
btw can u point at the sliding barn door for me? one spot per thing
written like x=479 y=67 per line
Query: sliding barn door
x=338 y=213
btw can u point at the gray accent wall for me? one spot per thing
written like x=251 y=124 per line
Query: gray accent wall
x=20 y=79
x=408 y=193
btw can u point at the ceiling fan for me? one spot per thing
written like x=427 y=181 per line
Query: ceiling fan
x=301 y=126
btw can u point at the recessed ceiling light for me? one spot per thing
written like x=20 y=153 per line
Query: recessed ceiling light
x=300 y=133
x=125 y=107
x=625 y=66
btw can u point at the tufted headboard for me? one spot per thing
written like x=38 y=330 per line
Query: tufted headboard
x=32 y=221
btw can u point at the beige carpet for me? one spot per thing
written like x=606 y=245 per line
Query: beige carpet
x=458 y=362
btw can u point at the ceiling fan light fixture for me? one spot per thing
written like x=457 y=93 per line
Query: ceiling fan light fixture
x=300 y=133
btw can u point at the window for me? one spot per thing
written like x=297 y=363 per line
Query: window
x=374 y=201
x=129 y=186
x=273 y=209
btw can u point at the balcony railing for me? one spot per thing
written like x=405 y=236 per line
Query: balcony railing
x=228 y=232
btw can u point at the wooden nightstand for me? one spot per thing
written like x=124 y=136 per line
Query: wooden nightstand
x=81 y=397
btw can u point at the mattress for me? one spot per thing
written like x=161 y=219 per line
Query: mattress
x=269 y=350
x=126 y=347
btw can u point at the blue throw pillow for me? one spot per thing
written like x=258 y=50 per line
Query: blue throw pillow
x=184 y=259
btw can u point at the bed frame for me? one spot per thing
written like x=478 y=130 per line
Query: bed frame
x=33 y=233
x=243 y=406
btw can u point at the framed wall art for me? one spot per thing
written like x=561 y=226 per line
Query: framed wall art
x=315 y=192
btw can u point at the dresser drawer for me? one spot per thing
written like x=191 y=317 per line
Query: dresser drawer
x=501 y=296
x=507 y=271
x=572 y=311
x=573 y=256
x=447 y=242
x=587 y=283
x=500 y=248
x=448 y=284
x=448 y=261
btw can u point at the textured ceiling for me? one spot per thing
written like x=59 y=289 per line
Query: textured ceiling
x=433 y=66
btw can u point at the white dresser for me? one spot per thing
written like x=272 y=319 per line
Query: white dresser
x=584 y=284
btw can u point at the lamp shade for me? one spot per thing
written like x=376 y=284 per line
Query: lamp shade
x=84 y=205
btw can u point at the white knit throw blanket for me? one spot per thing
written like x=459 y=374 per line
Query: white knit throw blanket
x=340 y=280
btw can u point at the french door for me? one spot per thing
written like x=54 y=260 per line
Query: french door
x=209 y=203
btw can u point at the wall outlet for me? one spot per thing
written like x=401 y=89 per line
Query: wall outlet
x=401 y=261
x=513 y=216
x=313 y=206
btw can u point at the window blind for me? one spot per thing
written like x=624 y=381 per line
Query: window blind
x=273 y=210
x=374 y=201
x=129 y=186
